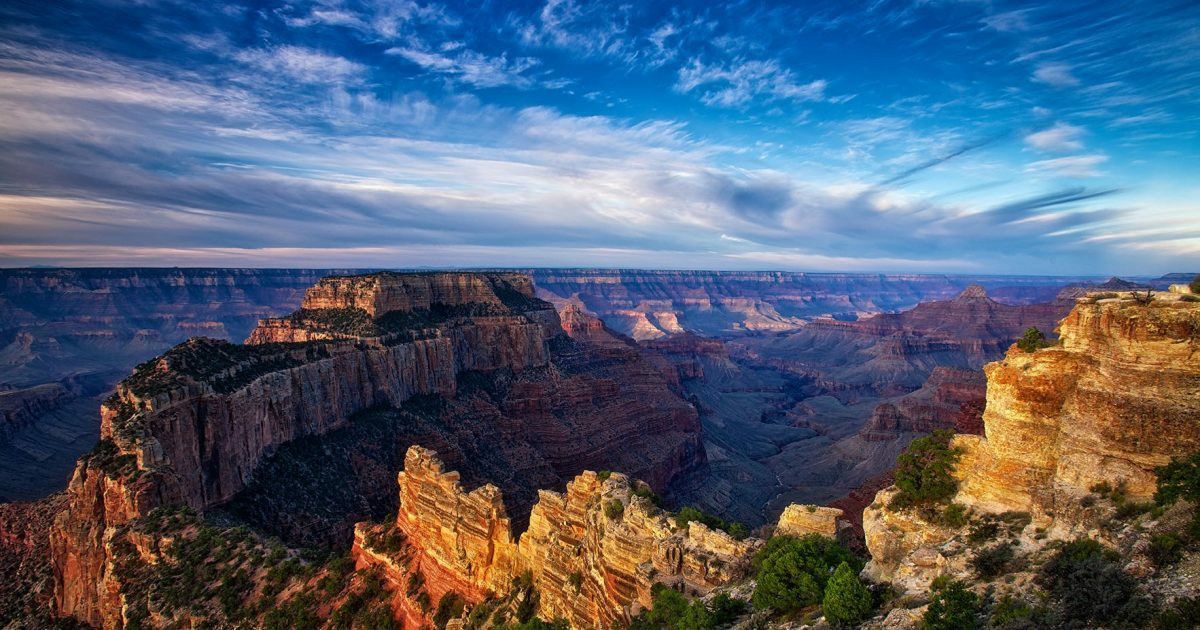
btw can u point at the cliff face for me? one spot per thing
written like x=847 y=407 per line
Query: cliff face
x=1112 y=401
x=193 y=427
x=92 y=326
x=653 y=304
x=949 y=399
x=589 y=562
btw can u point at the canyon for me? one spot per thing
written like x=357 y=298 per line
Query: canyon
x=85 y=329
x=456 y=432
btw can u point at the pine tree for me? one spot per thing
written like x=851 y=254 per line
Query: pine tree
x=846 y=599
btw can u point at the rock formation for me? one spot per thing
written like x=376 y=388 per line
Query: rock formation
x=801 y=520
x=1114 y=399
x=192 y=427
x=647 y=304
x=592 y=553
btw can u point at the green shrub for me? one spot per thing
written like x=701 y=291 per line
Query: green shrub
x=603 y=475
x=575 y=579
x=726 y=609
x=645 y=491
x=991 y=562
x=1165 y=549
x=923 y=470
x=672 y=610
x=1033 y=340
x=1088 y=583
x=984 y=530
x=614 y=509
x=688 y=514
x=1195 y=284
x=953 y=608
x=1179 y=479
x=846 y=600
x=1011 y=613
x=1185 y=613
x=793 y=572
x=955 y=515
x=449 y=607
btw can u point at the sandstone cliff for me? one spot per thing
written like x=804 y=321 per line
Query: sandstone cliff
x=1109 y=403
x=193 y=427
x=592 y=553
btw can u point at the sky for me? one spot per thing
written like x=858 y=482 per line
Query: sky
x=887 y=136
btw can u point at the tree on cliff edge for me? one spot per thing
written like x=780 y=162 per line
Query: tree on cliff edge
x=846 y=600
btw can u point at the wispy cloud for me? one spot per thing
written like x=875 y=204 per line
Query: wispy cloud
x=472 y=67
x=1055 y=74
x=739 y=82
x=1060 y=137
x=303 y=65
x=1072 y=166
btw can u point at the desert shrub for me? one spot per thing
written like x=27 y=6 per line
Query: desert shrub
x=923 y=470
x=643 y=490
x=1185 y=613
x=297 y=613
x=1088 y=583
x=449 y=607
x=953 y=608
x=377 y=618
x=603 y=475
x=955 y=515
x=614 y=509
x=984 y=530
x=1187 y=297
x=670 y=609
x=1165 y=549
x=846 y=600
x=991 y=562
x=537 y=623
x=1143 y=298
x=1179 y=479
x=575 y=580
x=1033 y=340
x=688 y=514
x=1195 y=284
x=1011 y=613
x=726 y=609
x=793 y=572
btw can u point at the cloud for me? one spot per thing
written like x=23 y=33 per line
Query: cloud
x=1008 y=21
x=741 y=81
x=1055 y=74
x=472 y=67
x=1060 y=137
x=303 y=65
x=1073 y=166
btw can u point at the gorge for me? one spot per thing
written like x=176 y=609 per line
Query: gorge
x=473 y=448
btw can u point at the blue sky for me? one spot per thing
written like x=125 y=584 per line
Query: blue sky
x=927 y=136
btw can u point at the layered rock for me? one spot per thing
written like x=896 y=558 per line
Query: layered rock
x=801 y=520
x=193 y=427
x=646 y=304
x=1109 y=403
x=949 y=399
x=593 y=552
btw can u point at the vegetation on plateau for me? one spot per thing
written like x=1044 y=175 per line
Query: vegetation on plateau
x=1033 y=340
x=924 y=471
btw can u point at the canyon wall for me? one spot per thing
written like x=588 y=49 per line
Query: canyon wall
x=1115 y=398
x=92 y=326
x=647 y=304
x=592 y=553
x=192 y=427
